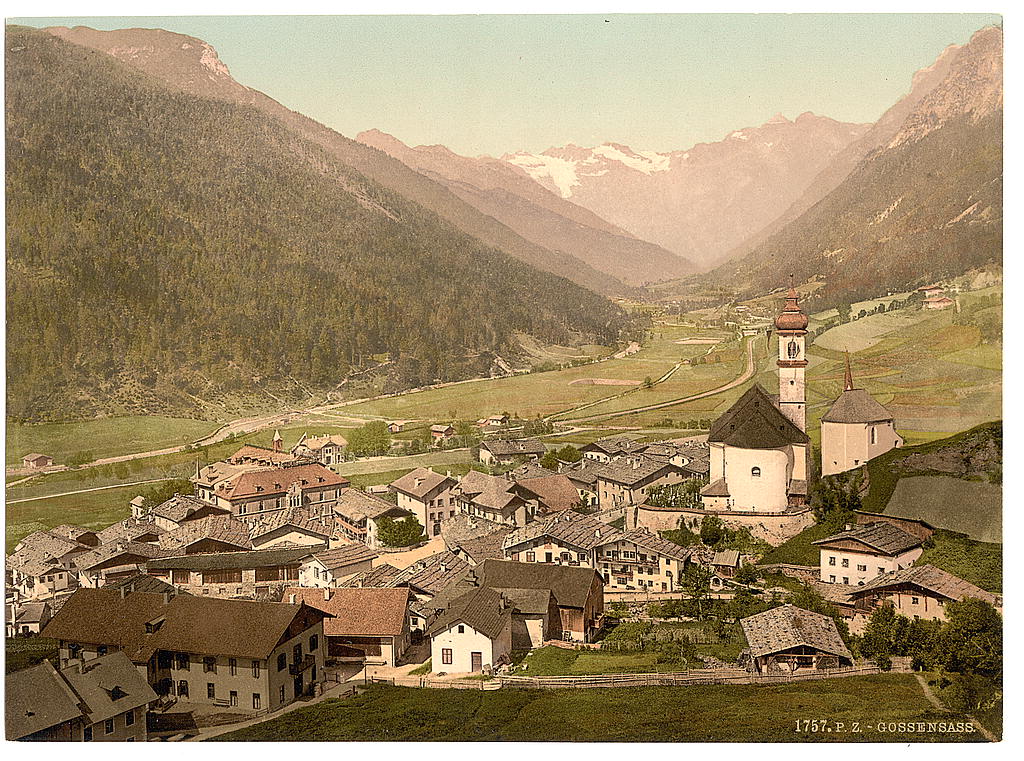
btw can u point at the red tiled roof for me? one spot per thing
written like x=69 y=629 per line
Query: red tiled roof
x=358 y=611
x=276 y=481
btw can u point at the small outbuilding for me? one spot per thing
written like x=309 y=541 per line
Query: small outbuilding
x=34 y=460
x=788 y=639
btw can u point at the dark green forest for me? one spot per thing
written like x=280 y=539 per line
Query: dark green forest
x=184 y=246
x=849 y=241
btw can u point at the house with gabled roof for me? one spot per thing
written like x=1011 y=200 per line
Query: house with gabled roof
x=252 y=573
x=110 y=562
x=236 y=654
x=367 y=624
x=858 y=554
x=36 y=461
x=251 y=454
x=357 y=516
x=329 y=567
x=627 y=480
x=429 y=496
x=252 y=493
x=26 y=618
x=104 y=700
x=554 y=493
x=327 y=449
x=604 y=450
x=789 y=639
x=920 y=591
x=218 y=533
x=180 y=509
x=472 y=633
x=292 y=526
x=494 y=499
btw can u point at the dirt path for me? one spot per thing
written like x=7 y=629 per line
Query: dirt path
x=747 y=374
x=934 y=700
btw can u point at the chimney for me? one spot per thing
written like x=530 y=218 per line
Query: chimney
x=124 y=591
x=597 y=533
x=167 y=598
x=444 y=567
x=419 y=481
x=448 y=474
x=291 y=599
x=327 y=594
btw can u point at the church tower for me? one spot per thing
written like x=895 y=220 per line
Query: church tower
x=791 y=327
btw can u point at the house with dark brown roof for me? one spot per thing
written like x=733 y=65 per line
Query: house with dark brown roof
x=507 y=451
x=180 y=509
x=921 y=591
x=237 y=654
x=26 y=619
x=35 y=461
x=111 y=562
x=294 y=525
x=367 y=625
x=604 y=450
x=860 y=553
x=789 y=639
x=328 y=568
x=554 y=493
x=218 y=533
x=429 y=496
x=102 y=700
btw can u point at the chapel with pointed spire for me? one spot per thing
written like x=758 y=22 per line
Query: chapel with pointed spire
x=857 y=428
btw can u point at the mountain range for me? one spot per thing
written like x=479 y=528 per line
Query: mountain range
x=701 y=202
x=919 y=199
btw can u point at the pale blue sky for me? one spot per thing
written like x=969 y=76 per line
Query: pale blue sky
x=495 y=84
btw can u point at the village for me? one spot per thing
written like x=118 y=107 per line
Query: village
x=277 y=582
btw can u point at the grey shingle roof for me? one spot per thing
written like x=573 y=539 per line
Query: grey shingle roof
x=346 y=555
x=357 y=504
x=717 y=488
x=179 y=507
x=420 y=482
x=570 y=527
x=787 y=627
x=109 y=685
x=754 y=422
x=434 y=573
x=37 y=698
x=215 y=561
x=856 y=406
x=882 y=537
x=512 y=447
x=384 y=575
x=220 y=528
x=643 y=538
x=570 y=585
x=929 y=578
x=633 y=470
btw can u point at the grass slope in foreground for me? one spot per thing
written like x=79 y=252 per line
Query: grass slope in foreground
x=735 y=713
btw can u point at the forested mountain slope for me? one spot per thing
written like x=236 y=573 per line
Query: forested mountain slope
x=192 y=65
x=162 y=246
x=924 y=206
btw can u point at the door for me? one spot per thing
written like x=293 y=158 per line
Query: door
x=298 y=686
x=477 y=661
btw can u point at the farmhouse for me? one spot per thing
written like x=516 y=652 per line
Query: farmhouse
x=327 y=568
x=232 y=653
x=358 y=514
x=35 y=461
x=427 y=495
x=922 y=591
x=366 y=625
x=569 y=538
x=856 y=429
x=787 y=639
x=103 y=700
x=441 y=432
x=583 y=476
x=26 y=619
x=859 y=554
x=938 y=302
x=506 y=452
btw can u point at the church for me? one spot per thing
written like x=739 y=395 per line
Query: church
x=760 y=451
x=856 y=429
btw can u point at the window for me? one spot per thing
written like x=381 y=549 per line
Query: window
x=87 y=734
x=881 y=570
x=282 y=662
x=446 y=656
x=233 y=698
x=101 y=650
x=566 y=556
x=462 y=629
x=832 y=579
x=862 y=568
x=255 y=669
x=531 y=557
x=181 y=660
x=129 y=718
x=211 y=690
x=846 y=579
x=755 y=472
x=256 y=700
x=209 y=664
x=108 y=727
x=314 y=643
x=281 y=694
x=914 y=601
x=182 y=689
x=297 y=653
x=793 y=350
x=831 y=559
x=846 y=562
x=233 y=666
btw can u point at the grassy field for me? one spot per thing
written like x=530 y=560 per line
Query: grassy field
x=22 y=652
x=107 y=437
x=944 y=500
x=799 y=550
x=734 y=713
x=864 y=333
x=980 y=563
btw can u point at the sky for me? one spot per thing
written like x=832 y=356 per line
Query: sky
x=497 y=84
